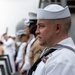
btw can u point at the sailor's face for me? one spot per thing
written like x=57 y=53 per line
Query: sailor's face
x=45 y=32
x=5 y=37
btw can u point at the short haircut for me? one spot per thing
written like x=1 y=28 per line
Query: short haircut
x=32 y=27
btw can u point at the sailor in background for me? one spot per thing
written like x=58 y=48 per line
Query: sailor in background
x=53 y=24
x=18 y=36
x=29 y=25
x=9 y=49
x=13 y=36
x=24 y=38
x=35 y=49
x=19 y=42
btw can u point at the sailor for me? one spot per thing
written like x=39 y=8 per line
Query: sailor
x=19 y=42
x=30 y=28
x=9 y=49
x=24 y=38
x=35 y=49
x=53 y=24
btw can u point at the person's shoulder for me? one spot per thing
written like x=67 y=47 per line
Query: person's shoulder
x=24 y=43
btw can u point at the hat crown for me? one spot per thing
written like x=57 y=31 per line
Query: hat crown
x=32 y=15
x=20 y=32
x=53 y=11
x=26 y=22
x=53 y=8
x=13 y=35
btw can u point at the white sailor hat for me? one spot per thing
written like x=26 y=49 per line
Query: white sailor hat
x=12 y=35
x=32 y=15
x=26 y=22
x=53 y=11
x=20 y=32
x=32 y=18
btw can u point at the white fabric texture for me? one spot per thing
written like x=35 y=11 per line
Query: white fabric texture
x=60 y=62
x=20 y=54
x=26 y=65
x=9 y=49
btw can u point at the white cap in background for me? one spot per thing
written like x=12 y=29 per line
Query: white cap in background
x=26 y=22
x=13 y=35
x=32 y=15
x=20 y=32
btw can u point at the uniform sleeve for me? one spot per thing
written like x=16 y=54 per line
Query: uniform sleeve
x=61 y=68
x=19 y=57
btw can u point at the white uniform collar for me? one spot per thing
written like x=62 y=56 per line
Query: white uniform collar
x=66 y=41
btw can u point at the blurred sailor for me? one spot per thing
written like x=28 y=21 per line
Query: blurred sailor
x=35 y=49
x=9 y=48
x=24 y=39
x=29 y=28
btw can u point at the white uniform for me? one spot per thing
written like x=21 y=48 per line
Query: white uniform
x=20 y=53
x=9 y=49
x=27 y=63
x=60 y=62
